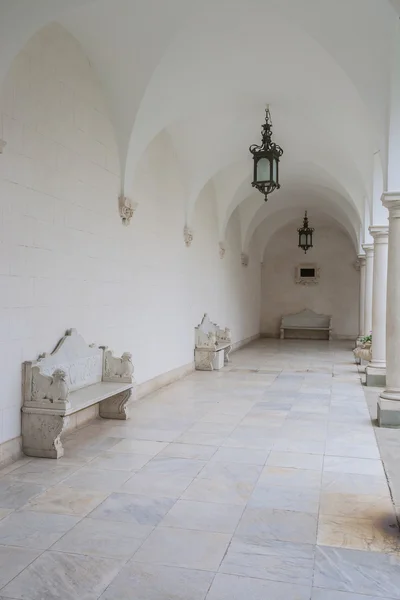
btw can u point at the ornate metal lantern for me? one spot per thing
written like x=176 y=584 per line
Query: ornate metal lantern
x=266 y=160
x=305 y=235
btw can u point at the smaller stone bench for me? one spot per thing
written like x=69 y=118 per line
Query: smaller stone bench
x=72 y=378
x=212 y=346
x=306 y=320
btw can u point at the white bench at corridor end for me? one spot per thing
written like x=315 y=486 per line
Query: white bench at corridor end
x=212 y=345
x=307 y=322
x=72 y=378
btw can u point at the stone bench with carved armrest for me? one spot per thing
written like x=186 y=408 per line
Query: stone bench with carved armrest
x=72 y=378
x=306 y=320
x=212 y=345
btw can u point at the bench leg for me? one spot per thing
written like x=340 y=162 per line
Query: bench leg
x=116 y=407
x=282 y=336
x=203 y=359
x=226 y=355
x=41 y=434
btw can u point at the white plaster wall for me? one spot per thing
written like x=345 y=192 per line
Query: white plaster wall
x=337 y=294
x=66 y=260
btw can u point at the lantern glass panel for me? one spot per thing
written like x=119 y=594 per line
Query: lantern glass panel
x=263 y=170
x=275 y=171
x=303 y=239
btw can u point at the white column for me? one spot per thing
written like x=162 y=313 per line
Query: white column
x=361 y=332
x=369 y=271
x=389 y=401
x=376 y=370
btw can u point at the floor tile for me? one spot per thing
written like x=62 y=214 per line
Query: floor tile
x=204 y=516
x=285 y=498
x=205 y=439
x=66 y=501
x=232 y=587
x=34 y=530
x=157 y=582
x=295 y=460
x=155 y=485
x=146 y=447
x=129 y=508
x=104 y=538
x=320 y=594
x=359 y=506
x=34 y=472
x=357 y=571
x=351 y=483
x=94 y=479
x=193 y=451
x=231 y=472
x=377 y=535
x=184 y=548
x=138 y=433
x=169 y=465
x=13 y=561
x=360 y=466
x=115 y=461
x=241 y=455
x=287 y=477
x=269 y=559
x=283 y=525
x=301 y=446
x=15 y=494
x=65 y=576
x=220 y=491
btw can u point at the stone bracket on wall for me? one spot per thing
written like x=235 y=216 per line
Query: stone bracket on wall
x=2 y=145
x=187 y=235
x=126 y=209
x=245 y=259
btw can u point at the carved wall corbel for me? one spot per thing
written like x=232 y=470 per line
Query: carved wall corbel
x=245 y=259
x=3 y=144
x=126 y=209
x=222 y=250
x=187 y=235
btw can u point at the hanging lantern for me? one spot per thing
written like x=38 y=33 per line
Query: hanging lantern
x=266 y=160
x=305 y=235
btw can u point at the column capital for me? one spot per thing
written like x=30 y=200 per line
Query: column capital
x=391 y=200
x=380 y=233
x=368 y=249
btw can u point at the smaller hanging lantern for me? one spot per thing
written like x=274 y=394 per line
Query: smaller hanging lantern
x=305 y=235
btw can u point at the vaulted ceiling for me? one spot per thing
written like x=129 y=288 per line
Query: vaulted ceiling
x=203 y=71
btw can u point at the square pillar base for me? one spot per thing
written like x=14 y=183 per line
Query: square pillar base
x=388 y=413
x=375 y=377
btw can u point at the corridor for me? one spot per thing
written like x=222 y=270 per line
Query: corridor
x=262 y=481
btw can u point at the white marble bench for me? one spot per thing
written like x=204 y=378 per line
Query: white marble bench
x=73 y=377
x=306 y=321
x=212 y=346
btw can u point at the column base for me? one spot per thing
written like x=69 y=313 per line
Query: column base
x=388 y=412
x=375 y=375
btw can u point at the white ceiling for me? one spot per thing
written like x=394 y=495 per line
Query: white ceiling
x=203 y=71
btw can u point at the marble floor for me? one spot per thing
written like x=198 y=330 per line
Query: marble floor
x=262 y=481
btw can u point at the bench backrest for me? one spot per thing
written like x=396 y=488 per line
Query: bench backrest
x=83 y=364
x=207 y=326
x=306 y=318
